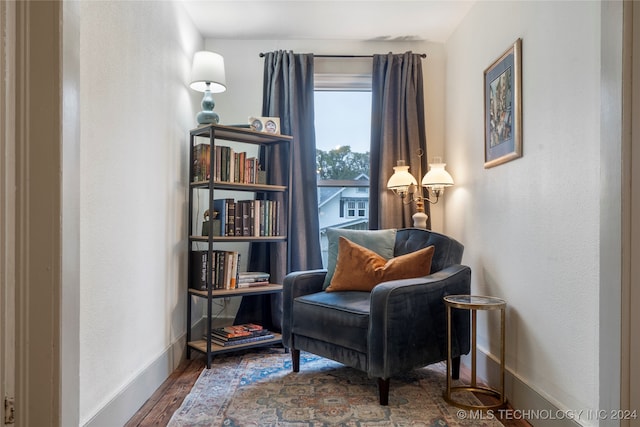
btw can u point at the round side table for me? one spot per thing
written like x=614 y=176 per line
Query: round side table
x=475 y=303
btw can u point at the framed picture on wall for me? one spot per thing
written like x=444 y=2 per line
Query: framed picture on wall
x=503 y=108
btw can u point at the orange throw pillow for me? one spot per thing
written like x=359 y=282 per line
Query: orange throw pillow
x=360 y=269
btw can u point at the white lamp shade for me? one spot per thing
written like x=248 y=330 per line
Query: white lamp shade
x=401 y=178
x=208 y=67
x=437 y=176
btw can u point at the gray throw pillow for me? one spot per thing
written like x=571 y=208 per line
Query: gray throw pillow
x=381 y=242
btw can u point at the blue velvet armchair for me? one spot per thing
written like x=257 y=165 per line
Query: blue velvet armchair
x=399 y=326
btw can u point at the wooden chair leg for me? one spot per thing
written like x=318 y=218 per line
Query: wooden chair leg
x=295 y=360
x=383 y=390
x=455 y=368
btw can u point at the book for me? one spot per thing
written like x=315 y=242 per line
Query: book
x=231 y=277
x=239 y=334
x=239 y=331
x=252 y=284
x=246 y=218
x=198 y=279
x=239 y=212
x=248 y=276
x=247 y=340
x=226 y=213
x=201 y=162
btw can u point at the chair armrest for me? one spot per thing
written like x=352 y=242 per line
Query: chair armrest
x=408 y=324
x=294 y=285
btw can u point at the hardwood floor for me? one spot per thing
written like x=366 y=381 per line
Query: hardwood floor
x=157 y=411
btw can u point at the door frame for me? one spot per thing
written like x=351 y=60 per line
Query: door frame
x=7 y=202
x=37 y=145
x=630 y=333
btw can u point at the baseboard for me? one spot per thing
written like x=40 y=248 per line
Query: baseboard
x=527 y=403
x=126 y=403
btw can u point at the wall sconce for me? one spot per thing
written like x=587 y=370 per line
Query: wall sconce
x=207 y=75
x=404 y=184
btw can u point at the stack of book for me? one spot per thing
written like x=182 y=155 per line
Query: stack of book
x=239 y=334
x=252 y=278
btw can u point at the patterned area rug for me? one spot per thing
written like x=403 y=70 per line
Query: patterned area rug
x=259 y=389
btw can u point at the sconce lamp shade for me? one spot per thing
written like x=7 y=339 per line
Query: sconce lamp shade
x=401 y=179
x=437 y=177
x=207 y=72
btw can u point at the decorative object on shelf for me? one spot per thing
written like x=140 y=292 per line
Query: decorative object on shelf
x=503 y=108
x=265 y=124
x=207 y=75
x=205 y=223
x=403 y=183
x=211 y=224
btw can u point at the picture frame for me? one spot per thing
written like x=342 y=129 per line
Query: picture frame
x=503 y=107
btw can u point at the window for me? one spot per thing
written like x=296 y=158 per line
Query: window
x=343 y=136
x=355 y=209
x=343 y=129
x=362 y=209
x=351 y=209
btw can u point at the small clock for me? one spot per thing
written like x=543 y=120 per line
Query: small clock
x=270 y=126
x=265 y=124
x=256 y=124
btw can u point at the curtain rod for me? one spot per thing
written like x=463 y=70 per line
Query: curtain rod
x=422 y=55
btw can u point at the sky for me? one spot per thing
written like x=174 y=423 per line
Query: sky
x=343 y=118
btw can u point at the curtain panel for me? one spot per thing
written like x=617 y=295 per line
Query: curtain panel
x=288 y=94
x=397 y=133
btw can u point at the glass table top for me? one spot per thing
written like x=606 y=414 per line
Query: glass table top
x=474 y=301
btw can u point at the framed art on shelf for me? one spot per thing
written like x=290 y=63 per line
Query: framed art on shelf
x=503 y=108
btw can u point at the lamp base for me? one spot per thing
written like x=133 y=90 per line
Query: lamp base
x=207 y=117
x=420 y=220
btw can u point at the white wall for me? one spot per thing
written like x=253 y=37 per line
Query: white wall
x=136 y=110
x=244 y=73
x=531 y=226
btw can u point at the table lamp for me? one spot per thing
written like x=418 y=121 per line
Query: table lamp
x=207 y=75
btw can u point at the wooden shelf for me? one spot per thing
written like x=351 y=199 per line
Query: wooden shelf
x=237 y=186
x=201 y=345
x=224 y=293
x=205 y=239
x=238 y=134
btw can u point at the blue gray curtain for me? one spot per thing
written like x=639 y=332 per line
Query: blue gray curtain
x=397 y=133
x=288 y=94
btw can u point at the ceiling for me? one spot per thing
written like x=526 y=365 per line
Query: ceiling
x=430 y=20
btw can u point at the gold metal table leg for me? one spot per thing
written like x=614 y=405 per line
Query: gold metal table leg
x=483 y=303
